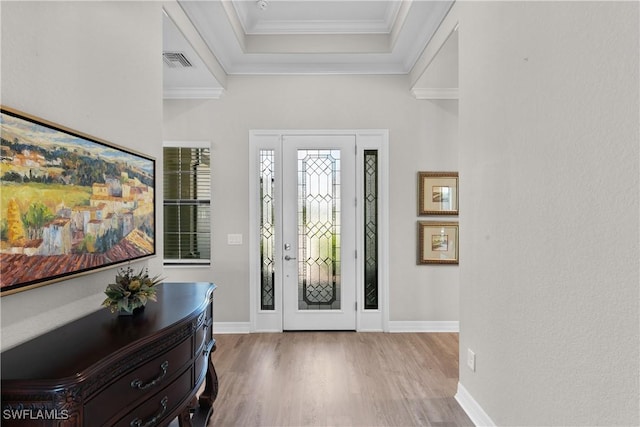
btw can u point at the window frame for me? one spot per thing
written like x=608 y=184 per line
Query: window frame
x=189 y=261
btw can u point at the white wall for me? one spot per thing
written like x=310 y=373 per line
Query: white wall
x=423 y=136
x=94 y=67
x=549 y=159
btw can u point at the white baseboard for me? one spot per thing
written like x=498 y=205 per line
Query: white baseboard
x=472 y=408
x=394 y=326
x=231 y=327
x=424 y=326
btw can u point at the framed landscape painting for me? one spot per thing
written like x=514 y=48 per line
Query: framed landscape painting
x=70 y=203
x=437 y=242
x=437 y=193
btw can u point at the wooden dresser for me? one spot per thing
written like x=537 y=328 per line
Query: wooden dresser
x=103 y=370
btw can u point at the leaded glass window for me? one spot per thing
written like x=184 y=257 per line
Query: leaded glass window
x=371 y=229
x=267 y=230
x=318 y=229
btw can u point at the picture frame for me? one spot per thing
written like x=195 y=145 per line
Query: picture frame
x=70 y=203
x=437 y=193
x=438 y=242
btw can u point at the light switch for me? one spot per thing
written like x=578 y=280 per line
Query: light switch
x=234 y=239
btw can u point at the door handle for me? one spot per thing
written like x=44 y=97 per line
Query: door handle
x=288 y=258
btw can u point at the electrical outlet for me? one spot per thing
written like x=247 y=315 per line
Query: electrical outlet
x=471 y=360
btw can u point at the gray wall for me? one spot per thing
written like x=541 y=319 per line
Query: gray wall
x=94 y=67
x=549 y=217
x=423 y=136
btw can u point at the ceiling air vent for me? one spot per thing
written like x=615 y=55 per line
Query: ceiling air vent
x=176 y=60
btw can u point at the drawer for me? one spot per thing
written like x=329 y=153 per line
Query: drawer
x=138 y=384
x=202 y=336
x=209 y=311
x=200 y=367
x=159 y=406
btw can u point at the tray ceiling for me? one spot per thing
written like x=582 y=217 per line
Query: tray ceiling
x=247 y=37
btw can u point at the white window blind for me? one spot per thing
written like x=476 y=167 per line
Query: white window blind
x=187 y=203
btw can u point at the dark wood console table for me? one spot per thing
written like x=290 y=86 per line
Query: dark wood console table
x=103 y=370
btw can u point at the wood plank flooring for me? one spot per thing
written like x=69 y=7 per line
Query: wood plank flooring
x=337 y=379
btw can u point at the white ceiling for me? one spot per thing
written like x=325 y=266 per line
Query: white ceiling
x=238 y=37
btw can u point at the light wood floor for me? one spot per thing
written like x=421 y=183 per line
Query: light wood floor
x=337 y=379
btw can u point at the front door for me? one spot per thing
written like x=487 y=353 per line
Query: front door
x=319 y=232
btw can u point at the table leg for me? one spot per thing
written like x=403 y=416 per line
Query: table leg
x=204 y=408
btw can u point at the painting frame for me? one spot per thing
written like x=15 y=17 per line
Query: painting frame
x=71 y=203
x=438 y=193
x=438 y=242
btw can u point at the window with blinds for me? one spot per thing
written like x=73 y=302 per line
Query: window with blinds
x=187 y=204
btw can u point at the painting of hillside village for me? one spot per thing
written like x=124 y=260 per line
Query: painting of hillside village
x=69 y=203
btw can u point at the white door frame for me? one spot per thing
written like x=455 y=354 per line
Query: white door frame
x=374 y=139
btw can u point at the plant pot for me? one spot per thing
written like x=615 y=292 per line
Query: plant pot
x=135 y=311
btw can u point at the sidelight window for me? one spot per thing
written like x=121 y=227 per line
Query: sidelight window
x=267 y=230
x=371 y=229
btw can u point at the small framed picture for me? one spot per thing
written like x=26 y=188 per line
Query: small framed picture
x=437 y=242
x=437 y=193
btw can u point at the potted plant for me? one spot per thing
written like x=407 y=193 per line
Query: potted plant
x=131 y=292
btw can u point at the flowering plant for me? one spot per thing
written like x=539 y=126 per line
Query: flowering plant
x=130 y=290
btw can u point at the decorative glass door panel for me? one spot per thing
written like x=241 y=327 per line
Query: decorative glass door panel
x=318 y=229
x=319 y=232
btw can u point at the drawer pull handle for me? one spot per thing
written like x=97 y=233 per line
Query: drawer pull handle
x=139 y=423
x=137 y=383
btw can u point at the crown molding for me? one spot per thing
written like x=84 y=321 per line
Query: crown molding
x=448 y=25
x=436 y=93
x=251 y=24
x=320 y=27
x=328 y=68
x=193 y=93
